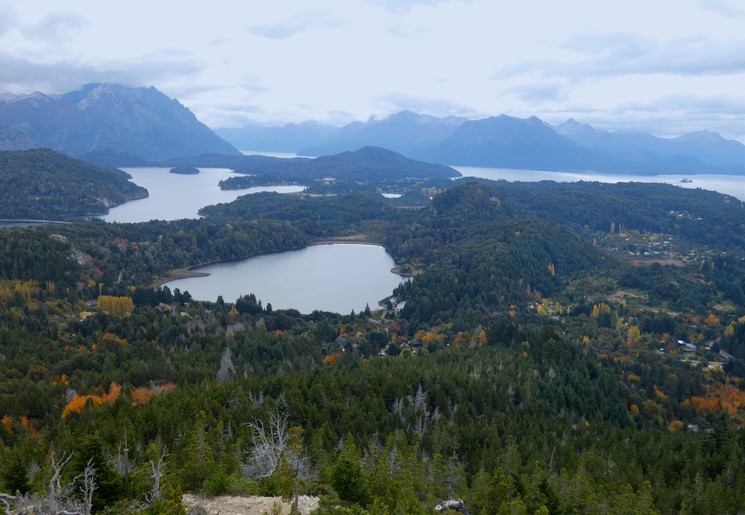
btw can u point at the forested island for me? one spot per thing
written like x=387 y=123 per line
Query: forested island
x=560 y=348
x=184 y=170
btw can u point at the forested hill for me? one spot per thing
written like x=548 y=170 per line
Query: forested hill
x=43 y=184
x=486 y=258
x=703 y=216
x=372 y=165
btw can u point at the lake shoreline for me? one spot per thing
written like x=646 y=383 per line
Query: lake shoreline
x=191 y=271
x=328 y=275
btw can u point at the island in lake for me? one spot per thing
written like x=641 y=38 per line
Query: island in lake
x=184 y=170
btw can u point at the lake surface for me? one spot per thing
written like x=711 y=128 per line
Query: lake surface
x=280 y=155
x=175 y=196
x=336 y=277
x=728 y=184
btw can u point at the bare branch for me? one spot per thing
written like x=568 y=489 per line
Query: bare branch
x=89 y=486
x=268 y=445
x=156 y=469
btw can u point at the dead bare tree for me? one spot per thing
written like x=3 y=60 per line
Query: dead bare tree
x=256 y=400
x=58 y=500
x=156 y=469
x=7 y=501
x=55 y=494
x=268 y=445
x=227 y=369
x=88 y=477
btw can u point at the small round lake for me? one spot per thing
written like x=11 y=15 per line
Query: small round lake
x=336 y=277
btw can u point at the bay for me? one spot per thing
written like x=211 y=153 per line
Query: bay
x=174 y=196
x=330 y=277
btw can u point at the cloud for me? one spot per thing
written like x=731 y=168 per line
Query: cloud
x=55 y=27
x=617 y=45
x=719 y=105
x=723 y=7
x=405 y=31
x=294 y=26
x=21 y=75
x=8 y=20
x=608 y=55
x=538 y=92
x=395 y=102
x=404 y=6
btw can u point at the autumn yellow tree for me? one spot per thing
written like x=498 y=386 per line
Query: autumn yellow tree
x=634 y=334
x=116 y=306
x=712 y=319
x=598 y=309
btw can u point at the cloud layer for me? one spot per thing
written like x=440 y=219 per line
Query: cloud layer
x=668 y=67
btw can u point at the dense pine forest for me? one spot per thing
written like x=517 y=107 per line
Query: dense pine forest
x=41 y=184
x=558 y=349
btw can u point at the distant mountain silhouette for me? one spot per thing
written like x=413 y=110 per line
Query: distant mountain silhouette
x=505 y=141
x=277 y=138
x=694 y=152
x=106 y=121
x=405 y=132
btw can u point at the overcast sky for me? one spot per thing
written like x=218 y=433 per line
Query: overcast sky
x=664 y=66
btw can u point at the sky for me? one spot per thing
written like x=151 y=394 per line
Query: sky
x=662 y=66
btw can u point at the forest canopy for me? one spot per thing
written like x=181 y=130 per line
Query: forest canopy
x=559 y=348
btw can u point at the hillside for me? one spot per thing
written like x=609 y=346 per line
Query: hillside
x=42 y=184
x=530 y=365
x=108 y=120
x=366 y=168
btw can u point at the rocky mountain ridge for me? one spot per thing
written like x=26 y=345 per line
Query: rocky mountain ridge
x=105 y=120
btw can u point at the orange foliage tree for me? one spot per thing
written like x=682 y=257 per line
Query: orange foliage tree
x=79 y=402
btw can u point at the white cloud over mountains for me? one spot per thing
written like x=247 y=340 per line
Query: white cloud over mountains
x=679 y=63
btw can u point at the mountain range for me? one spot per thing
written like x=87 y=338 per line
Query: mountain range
x=113 y=125
x=107 y=124
x=505 y=141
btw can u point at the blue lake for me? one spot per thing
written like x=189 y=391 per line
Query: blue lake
x=338 y=278
x=174 y=196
